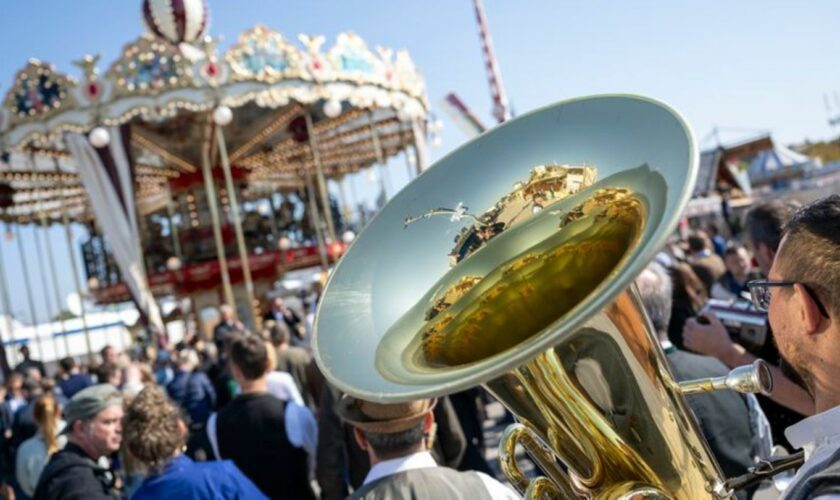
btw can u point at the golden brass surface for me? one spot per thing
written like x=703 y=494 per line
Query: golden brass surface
x=604 y=401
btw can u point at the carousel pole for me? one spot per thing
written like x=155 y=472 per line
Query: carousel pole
x=210 y=191
x=322 y=183
x=7 y=308
x=237 y=226
x=39 y=253
x=30 y=302
x=51 y=263
x=409 y=161
x=419 y=146
x=380 y=153
x=315 y=219
x=275 y=229
x=173 y=229
x=77 y=283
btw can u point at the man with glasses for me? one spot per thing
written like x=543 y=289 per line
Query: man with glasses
x=802 y=297
x=789 y=401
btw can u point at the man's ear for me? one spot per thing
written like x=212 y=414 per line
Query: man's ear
x=809 y=311
x=428 y=421
x=361 y=440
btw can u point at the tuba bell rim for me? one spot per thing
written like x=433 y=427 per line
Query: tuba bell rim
x=462 y=377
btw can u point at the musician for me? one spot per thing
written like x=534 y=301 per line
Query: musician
x=396 y=438
x=802 y=297
x=789 y=401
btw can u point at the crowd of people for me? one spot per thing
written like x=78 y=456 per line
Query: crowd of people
x=239 y=415
x=248 y=414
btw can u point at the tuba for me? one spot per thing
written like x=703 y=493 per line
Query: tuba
x=510 y=264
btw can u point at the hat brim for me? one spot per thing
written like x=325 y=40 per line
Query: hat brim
x=347 y=409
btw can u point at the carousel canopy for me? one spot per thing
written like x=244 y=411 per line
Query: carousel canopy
x=365 y=106
x=779 y=163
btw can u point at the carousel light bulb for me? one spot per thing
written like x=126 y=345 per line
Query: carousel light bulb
x=222 y=115
x=173 y=263
x=99 y=137
x=332 y=108
x=284 y=243
x=348 y=236
x=93 y=283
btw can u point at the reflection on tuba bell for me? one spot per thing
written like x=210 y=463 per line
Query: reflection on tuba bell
x=533 y=298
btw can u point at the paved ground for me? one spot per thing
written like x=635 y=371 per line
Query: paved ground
x=493 y=432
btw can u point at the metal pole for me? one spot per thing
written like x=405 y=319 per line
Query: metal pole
x=77 y=283
x=45 y=286
x=275 y=230
x=210 y=191
x=29 y=300
x=419 y=146
x=7 y=308
x=56 y=288
x=380 y=154
x=315 y=220
x=173 y=230
x=322 y=183
x=240 y=236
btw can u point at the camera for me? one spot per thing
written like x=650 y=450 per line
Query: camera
x=745 y=323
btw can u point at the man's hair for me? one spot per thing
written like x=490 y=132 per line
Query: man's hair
x=699 y=241
x=811 y=254
x=249 y=354
x=67 y=364
x=105 y=371
x=396 y=444
x=764 y=222
x=656 y=292
x=279 y=333
x=733 y=249
x=152 y=433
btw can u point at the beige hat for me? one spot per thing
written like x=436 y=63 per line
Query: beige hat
x=383 y=418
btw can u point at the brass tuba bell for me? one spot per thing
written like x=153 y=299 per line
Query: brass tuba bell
x=510 y=264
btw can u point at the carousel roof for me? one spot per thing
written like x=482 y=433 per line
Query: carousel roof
x=364 y=105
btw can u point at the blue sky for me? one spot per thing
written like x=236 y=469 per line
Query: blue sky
x=743 y=66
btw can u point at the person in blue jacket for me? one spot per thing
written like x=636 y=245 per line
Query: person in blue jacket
x=155 y=434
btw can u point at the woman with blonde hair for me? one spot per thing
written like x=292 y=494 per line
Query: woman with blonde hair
x=35 y=452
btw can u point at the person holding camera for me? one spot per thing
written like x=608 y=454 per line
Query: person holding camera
x=789 y=401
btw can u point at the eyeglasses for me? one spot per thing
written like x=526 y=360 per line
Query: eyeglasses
x=760 y=293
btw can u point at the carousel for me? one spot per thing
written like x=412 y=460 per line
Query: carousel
x=201 y=173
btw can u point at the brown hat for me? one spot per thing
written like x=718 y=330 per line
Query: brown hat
x=383 y=418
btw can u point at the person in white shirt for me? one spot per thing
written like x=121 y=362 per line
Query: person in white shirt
x=397 y=438
x=802 y=297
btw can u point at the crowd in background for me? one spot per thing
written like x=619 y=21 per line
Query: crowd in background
x=248 y=414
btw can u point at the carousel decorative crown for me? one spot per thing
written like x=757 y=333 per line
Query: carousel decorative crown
x=176 y=67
